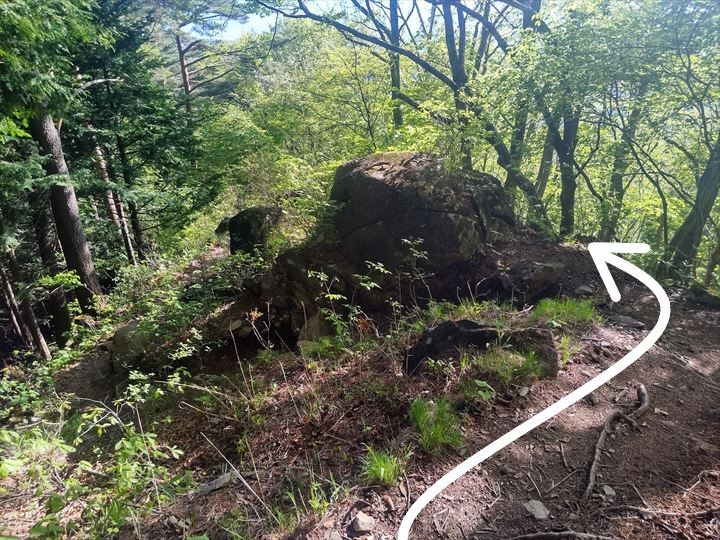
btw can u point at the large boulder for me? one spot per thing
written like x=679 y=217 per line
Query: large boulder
x=250 y=227
x=390 y=197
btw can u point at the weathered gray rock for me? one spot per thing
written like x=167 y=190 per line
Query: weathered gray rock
x=625 y=321
x=522 y=283
x=250 y=227
x=537 y=509
x=584 y=290
x=449 y=336
x=395 y=196
x=703 y=296
x=362 y=523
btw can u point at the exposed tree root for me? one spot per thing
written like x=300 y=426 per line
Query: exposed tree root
x=607 y=429
x=561 y=535
x=652 y=512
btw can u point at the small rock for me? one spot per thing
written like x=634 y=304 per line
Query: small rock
x=625 y=321
x=593 y=399
x=213 y=485
x=523 y=391
x=333 y=535
x=660 y=411
x=537 y=509
x=363 y=523
x=610 y=492
x=584 y=290
x=604 y=343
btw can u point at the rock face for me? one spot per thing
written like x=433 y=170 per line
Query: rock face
x=449 y=336
x=701 y=295
x=390 y=197
x=523 y=283
x=250 y=227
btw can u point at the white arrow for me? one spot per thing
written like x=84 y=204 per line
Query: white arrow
x=602 y=254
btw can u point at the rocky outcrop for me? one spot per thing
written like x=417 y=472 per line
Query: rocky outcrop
x=450 y=336
x=522 y=283
x=250 y=227
x=391 y=197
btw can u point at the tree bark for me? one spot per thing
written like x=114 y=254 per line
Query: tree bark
x=713 y=262
x=66 y=212
x=26 y=309
x=395 y=64
x=546 y=163
x=132 y=207
x=182 y=59
x=16 y=314
x=113 y=205
x=683 y=246
x=50 y=256
x=11 y=314
x=612 y=208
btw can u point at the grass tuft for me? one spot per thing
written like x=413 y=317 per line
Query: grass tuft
x=381 y=467
x=438 y=424
x=565 y=311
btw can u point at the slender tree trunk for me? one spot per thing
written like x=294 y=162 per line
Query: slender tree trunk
x=182 y=52
x=127 y=242
x=132 y=207
x=564 y=145
x=395 y=64
x=456 y=56
x=9 y=297
x=26 y=308
x=113 y=206
x=713 y=262
x=49 y=255
x=66 y=212
x=11 y=314
x=610 y=215
x=683 y=246
x=546 y=163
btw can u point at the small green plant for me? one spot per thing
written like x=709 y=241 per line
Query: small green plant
x=484 y=390
x=565 y=311
x=381 y=467
x=568 y=348
x=438 y=424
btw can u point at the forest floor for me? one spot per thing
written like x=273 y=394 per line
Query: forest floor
x=298 y=444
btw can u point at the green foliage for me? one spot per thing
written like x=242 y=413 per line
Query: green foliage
x=438 y=425
x=381 y=467
x=565 y=311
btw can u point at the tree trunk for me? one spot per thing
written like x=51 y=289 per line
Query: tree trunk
x=713 y=262
x=9 y=297
x=395 y=64
x=66 y=212
x=564 y=145
x=26 y=309
x=683 y=246
x=546 y=163
x=113 y=206
x=132 y=207
x=124 y=230
x=610 y=215
x=49 y=255
x=184 y=72
x=11 y=314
